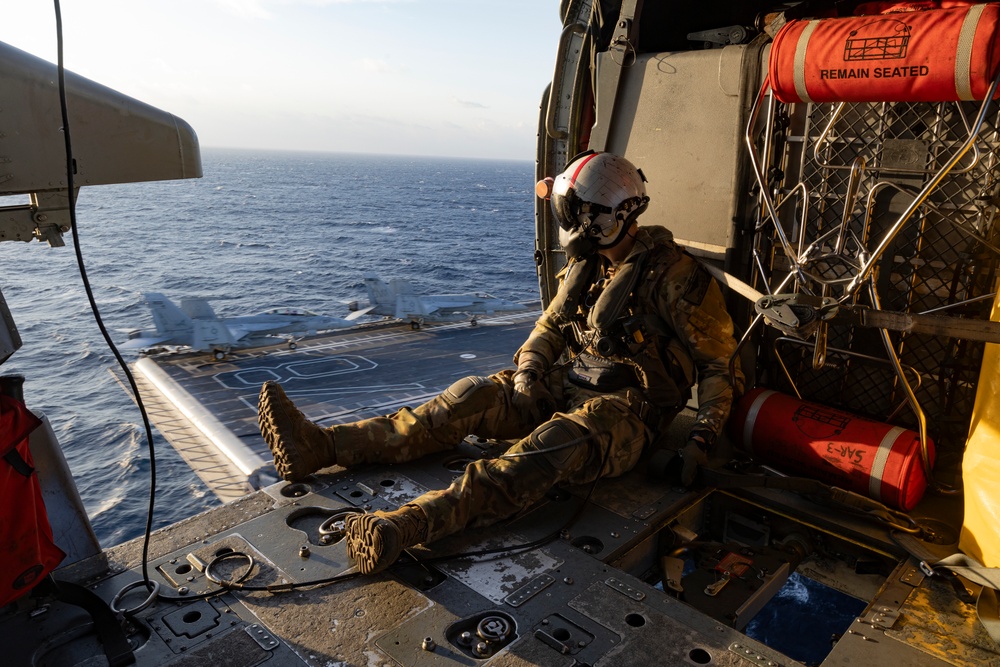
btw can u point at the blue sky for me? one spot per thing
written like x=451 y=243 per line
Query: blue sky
x=415 y=77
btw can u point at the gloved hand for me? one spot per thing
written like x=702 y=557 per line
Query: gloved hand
x=693 y=456
x=530 y=396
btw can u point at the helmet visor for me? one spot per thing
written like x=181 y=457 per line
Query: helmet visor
x=566 y=209
x=572 y=212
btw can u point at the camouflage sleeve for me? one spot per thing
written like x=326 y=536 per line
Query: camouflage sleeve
x=691 y=301
x=544 y=345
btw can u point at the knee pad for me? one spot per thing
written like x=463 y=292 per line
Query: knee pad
x=472 y=389
x=468 y=396
x=565 y=442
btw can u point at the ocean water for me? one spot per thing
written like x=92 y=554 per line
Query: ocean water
x=259 y=230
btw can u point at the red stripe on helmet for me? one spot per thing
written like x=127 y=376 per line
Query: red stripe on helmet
x=583 y=162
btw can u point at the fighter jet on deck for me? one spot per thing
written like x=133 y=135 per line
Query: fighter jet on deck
x=194 y=324
x=397 y=299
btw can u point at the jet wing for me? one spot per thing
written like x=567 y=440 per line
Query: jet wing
x=441 y=305
x=143 y=342
x=244 y=329
x=409 y=306
x=456 y=305
x=359 y=313
x=450 y=306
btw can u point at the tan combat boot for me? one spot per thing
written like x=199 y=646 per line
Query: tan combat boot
x=375 y=541
x=299 y=446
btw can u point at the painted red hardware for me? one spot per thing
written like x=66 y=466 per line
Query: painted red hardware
x=806 y=439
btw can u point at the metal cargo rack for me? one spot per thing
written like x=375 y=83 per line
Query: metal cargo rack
x=888 y=205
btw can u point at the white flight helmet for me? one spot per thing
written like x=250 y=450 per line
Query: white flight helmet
x=595 y=201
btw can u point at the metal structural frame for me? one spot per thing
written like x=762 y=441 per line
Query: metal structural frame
x=886 y=205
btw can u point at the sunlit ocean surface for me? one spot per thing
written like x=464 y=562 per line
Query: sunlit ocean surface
x=258 y=231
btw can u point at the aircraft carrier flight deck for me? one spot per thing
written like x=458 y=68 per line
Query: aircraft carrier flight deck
x=207 y=409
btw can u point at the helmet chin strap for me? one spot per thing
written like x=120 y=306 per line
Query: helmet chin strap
x=615 y=252
x=619 y=237
x=626 y=225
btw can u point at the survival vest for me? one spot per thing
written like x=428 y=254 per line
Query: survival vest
x=27 y=551
x=616 y=335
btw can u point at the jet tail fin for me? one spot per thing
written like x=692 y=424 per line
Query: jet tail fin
x=401 y=286
x=197 y=308
x=379 y=294
x=170 y=320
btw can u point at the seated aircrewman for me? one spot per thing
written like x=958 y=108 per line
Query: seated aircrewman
x=612 y=360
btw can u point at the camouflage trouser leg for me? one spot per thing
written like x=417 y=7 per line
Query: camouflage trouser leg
x=571 y=447
x=473 y=405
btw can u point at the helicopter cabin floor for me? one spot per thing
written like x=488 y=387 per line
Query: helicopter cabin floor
x=595 y=593
x=630 y=570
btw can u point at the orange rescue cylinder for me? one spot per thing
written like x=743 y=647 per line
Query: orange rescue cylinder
x=871 y=458
x=936 y=55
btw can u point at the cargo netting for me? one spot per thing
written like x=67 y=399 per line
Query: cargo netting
x=874 y=160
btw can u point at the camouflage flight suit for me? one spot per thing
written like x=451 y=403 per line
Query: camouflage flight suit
x=586 y=432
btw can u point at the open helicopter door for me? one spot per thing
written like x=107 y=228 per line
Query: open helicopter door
x=878 y=194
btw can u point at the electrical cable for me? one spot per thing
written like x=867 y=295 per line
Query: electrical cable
x=508 y=456
x=70 y=170
x=529 y=546
x=227 y=585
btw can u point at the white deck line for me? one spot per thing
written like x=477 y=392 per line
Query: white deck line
x=225 y=441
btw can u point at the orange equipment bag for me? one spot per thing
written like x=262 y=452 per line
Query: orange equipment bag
x=27 y=551
x=937 y=55
x=867 y=457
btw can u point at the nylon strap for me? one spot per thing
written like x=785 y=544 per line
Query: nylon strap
x=730 y=281
x=964 y=566
x=988 y=577
x=989 y=613
x=578 y=278
x=799 y=65
x=963 y=55
x=727 y=480
x=968 y=567
x=17 y=462
x=106 y=625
